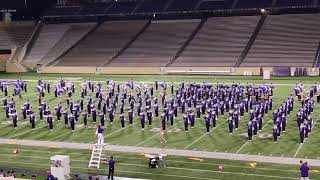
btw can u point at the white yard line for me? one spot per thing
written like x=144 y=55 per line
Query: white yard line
x=298 y=150
x=63 y=134
x=253 y=137
x=204 y=135
x=108 y=135
x=157 y=134
x=28 y=131
x=55 y=122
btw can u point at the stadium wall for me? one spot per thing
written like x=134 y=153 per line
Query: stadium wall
x=154 y=70
x=3 y=61
x=249 y=71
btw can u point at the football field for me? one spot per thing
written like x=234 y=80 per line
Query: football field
x=217 y=140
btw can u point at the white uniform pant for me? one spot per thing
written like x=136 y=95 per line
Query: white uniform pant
x=100 y=138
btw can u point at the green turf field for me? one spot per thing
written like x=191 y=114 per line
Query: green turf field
x=135 y=165
x=218 y=139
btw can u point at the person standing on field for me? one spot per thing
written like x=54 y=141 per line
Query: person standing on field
x=304 y=170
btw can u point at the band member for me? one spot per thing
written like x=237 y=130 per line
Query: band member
x=142 y=120
x=72 y=122
x=255 y=126
x=186 y=123
x=171 y=117
x=111 y=115
x=102 y=119
x=94 y=115
x=32 y=120
x=207 y=121
x=66 y=120
x=50 y=122
x=122 y=119
x=275 y=133
x=58 y=111
x=231 y=125
x=99 y=134
x=85 y=118
x=149 y=117
x=249 y=125
x=130 y=116
x=15 y=120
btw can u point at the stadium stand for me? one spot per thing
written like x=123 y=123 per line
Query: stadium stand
x=48 y=36
x=286 y=40
x=152 y=6
x=97 y=9
x=284 y=3
x=253 y=3
x=220 y=42
x=158 y=44
x=317 y=58
x=63 y=10
x=102 y=44
x=214 y=5
x=122 y=7
x=182 y=5
x=15 y=34
x=74 y=34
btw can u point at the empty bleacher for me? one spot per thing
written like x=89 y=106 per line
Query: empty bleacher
x=157 y=45
x=285 y=3
x=219 y=42
x=69 y=39
x=253 y=3
x=15 y=34
x=122 y=7
x=207 y=5
x=286 y=40
x=102 y=44
x=47 y=38
x=96 y=9
x=63 y=10
x=152 y=6
x=182 y=5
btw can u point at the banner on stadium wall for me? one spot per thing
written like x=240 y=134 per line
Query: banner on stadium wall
x=281 y=71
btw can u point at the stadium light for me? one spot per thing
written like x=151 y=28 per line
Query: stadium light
x=263 y=11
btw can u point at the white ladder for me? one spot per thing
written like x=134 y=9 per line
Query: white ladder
x=98 y=155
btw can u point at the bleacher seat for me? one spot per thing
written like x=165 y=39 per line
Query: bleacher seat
x=253 y=3
x=15 y=34
x=69 y=39
x=121 y=7
x=63 y=10
x=219 y=42
x=182 y=5
x=48 y=36
x=97 y=9
x=286 y=40
x=152 y=6
x=102 y=44
x=285 y=3
x=157 y=45
x=214 y=5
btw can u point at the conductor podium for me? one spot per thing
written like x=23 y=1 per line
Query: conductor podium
x=60 y=167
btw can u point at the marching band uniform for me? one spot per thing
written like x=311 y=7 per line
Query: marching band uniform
x=122 y=119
